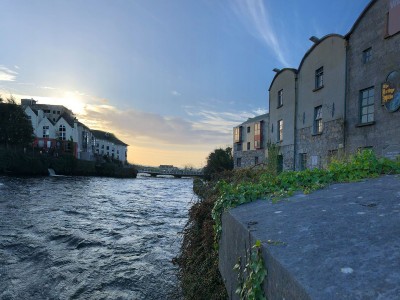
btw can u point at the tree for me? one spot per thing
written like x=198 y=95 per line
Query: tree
x=15 y=127
x=218 y=161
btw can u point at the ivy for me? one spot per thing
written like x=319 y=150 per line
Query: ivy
x=267 y=185
x=251 y=277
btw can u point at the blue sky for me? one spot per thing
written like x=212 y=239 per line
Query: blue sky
x=169 y=77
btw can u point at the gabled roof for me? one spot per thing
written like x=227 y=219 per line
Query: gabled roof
x=255 y=119
x=366 y=9
x=68 y=118
x=107 y=136
x=279 y=73
x=316 y=45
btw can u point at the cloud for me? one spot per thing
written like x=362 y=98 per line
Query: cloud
x=253 y=14
x=7 y=74
x=175 y=93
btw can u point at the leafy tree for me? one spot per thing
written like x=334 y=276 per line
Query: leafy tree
x=218 y=161
x=15 y=127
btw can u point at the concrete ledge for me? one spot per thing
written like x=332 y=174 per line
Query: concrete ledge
x=342 y=242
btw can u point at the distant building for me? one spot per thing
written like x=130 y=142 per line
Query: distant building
x=58 y=131
x=109 y=145
x=54 y=126
x=250 y=142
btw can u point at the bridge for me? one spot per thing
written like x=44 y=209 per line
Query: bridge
x=177 y=173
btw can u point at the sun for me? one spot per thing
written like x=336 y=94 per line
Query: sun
x=74 y=101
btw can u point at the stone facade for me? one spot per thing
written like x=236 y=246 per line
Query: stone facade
x=369 y=33
x=316 y=150
x=282 y=107
x=344 y=96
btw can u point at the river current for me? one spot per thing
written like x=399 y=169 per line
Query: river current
x=91 y=238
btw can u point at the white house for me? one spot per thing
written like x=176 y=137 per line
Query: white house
x=109 y=145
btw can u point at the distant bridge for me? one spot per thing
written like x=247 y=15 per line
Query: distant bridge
x=177 y=173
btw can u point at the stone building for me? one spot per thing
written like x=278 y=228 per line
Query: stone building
x=250 y=142
x=282 y=112
x=373 y=80
x=344 y=96
x=320 y=102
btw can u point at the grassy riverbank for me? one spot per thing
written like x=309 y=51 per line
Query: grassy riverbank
x=198 y=260
x=18 y=163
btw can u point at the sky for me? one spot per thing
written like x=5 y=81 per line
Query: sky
x=171 y=78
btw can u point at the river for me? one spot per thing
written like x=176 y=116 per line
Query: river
x=91 y=238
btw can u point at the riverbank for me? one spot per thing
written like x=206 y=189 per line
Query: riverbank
x=18 y=163
x=340 y=242
x=247 y=185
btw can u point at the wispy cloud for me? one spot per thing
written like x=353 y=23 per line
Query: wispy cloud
x=253 y=14
x=6 y=74
x=175 y=93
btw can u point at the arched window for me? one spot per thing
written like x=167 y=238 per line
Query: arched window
x=62 y=132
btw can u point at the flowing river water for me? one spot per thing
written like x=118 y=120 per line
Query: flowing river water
x=91 y=238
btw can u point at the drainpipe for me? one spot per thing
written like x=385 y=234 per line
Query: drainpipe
x=345 y=97
x=295 y=121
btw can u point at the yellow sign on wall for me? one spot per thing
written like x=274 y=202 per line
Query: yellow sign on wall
x=391 y=92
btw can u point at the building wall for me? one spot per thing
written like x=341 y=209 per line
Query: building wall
x=252 y=156
x=85 y=143
x=330 y=54
x=285 y=80
x=370 y=32
x=104 y=147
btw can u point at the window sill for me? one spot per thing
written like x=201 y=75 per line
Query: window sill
x=365 y=124
x=318 y=88
x=318 y=133
x=279 y=106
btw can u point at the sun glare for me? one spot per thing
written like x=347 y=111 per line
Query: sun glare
x=74 y=102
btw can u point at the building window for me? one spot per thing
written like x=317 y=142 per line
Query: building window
x=46 y=131
x=46 y=111
x=280 y=131
x=248 y=129
x=97 y=145
x=238 y=147
x=280 y=98
x=319 y=78
x=303 y=161
x=239 y=162
x=367 y=55
x=257 y=144
x=318 y=124
x=248 y=145
x=29 y=118
x=54 y=112
x=62 y=134
x=58 y=112
x=108 y=148
x=256 y=160
x=237 y=135
x=367 y=105
x=102 y=146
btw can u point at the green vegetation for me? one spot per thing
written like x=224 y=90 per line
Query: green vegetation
x=15 y=127
x=218 y=161
x=251 y=277
x=198 y=260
